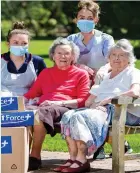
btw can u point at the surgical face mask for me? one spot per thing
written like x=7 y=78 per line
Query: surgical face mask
x=19 y=50
x=86 y=26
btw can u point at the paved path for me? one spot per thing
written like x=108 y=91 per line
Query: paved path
x=52 y=159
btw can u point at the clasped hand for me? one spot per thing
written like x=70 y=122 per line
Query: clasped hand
x=49 y=103
x=100 y=105
x=96 y=106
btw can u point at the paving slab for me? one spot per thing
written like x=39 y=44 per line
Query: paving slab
x=53 y=159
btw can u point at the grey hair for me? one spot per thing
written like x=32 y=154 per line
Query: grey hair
x=64 y=41
x=126 y=46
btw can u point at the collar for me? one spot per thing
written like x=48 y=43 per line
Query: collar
x=6 y=57
x=97 y=37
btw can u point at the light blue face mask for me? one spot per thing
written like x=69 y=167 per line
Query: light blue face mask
x=19 y=50
x=86 y=26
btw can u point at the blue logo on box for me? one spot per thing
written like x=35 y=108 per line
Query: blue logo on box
x=9 y=103
x=16 y=119
x=6 y=145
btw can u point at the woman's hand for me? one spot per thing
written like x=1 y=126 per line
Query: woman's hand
x=102 y=108
x=49 y=103
x=93 y=105
x=25 y=100
x=104 y=102
x=34 y=101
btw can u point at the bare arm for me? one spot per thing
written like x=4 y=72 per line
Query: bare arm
x=66 y=103
x=133 y=92
x=90 y=100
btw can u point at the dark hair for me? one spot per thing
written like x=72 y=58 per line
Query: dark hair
x=17 y=28
x=89 y=5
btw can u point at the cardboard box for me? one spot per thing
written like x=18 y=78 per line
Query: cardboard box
x=12 y=104
x=14 y=149
x=14 y=114
x=17 y=119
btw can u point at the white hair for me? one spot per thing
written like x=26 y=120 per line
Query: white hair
x=64 y=41
x=126 y=46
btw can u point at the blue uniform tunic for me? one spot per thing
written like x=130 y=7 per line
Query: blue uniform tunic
x=94 y=54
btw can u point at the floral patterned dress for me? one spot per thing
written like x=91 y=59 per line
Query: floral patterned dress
x=87 y=125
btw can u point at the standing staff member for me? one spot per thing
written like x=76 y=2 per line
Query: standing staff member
x=94 y=44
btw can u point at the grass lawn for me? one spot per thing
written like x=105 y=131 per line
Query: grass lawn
x=41 y=47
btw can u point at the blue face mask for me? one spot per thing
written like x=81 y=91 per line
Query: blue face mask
x=19 y=50
x=86 y=26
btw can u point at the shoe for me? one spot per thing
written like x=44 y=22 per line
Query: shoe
x=83 y=167
x=34 y=164
x=99 y=154
x=127 y=149
x=60 y=168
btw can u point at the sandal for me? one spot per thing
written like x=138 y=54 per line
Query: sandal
x=83 y=167
x=60 y=168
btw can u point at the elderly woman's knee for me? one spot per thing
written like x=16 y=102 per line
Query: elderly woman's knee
x=75 y=117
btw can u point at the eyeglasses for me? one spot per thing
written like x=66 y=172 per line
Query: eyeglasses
x=118 y=56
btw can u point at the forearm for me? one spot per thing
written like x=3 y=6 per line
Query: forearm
x=131 y=93
x=66 y=103
x=70 y=103
x=90 y=100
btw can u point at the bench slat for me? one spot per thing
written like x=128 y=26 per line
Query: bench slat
x=128 y=130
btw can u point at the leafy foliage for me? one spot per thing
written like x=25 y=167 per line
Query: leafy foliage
x=55 y=18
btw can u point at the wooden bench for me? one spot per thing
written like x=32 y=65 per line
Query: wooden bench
x=118 y=132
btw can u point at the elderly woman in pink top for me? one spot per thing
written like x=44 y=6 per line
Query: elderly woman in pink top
x=60 y=88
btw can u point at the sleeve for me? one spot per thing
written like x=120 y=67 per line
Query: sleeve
x=108 y=43
x=83 y=88
x=95 y=90
x=135 y=77
x=70 y=38
x=74 y=37
x=36 y=89
x=41 y=65
x=101 y=73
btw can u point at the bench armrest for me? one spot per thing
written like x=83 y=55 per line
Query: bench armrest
x=125 y=100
